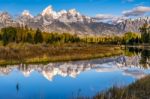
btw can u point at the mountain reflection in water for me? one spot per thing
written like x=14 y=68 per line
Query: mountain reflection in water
x=128 y=65
x=70 y=79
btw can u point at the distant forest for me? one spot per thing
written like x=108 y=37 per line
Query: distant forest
x=26 y=35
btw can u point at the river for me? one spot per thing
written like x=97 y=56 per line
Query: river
x=65 y=80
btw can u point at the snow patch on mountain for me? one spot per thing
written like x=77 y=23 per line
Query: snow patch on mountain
x=74 y=22
x=26 y=13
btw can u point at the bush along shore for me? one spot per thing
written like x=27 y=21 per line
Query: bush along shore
x=137 y=90
x=41 y=53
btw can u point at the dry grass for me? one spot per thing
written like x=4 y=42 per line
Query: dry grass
x=138 y=90
x=28 y=53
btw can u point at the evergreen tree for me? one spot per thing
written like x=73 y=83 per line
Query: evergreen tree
x=145 y=33
x=0 y=37
x=9 y=35
x=130 y=38
x=5 y=37
x=38 y=38
x=29 y=38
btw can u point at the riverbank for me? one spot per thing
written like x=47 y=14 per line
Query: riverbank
x=142 y=46
x=42 y=53
x=137 y=90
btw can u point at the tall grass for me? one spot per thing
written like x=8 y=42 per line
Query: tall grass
x=138 y=90
x=25 y=52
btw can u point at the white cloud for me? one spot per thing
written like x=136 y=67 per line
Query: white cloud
x=104 y=16
x=109 y=18
x=138 y=11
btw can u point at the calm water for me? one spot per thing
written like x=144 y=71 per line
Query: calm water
x=72 y=79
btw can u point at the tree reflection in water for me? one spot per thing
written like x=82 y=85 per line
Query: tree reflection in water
x=143 y=52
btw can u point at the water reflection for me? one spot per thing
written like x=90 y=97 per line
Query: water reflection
x=144 y=53
x=17 y=87
x=72 y=69
x=69 y=79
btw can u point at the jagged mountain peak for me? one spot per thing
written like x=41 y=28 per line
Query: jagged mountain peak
x=133 y=25
x=5 y=16
x=48 y=11
x=72 y=21
x=26 y=13
x=73 y=12
x=62 y=12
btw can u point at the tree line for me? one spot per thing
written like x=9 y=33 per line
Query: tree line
x=145 y=33
x=25 y=35
x=128 y=38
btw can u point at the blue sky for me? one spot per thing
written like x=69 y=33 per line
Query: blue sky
x=86 y=7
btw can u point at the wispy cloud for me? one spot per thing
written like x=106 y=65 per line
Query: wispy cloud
x=129 y=1
x=140 y=4
x=137 y=11
x=104 y=16
x=109 y=18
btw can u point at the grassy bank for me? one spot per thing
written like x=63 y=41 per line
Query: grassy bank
x=29 y=53
x=142 y=46
x=138 y=90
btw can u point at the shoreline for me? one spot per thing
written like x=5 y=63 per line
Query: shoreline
x=43 y=61
x=136 y=90
x=139 y=46
x=72 y=52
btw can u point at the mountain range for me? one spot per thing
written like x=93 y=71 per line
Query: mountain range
x=71 y=21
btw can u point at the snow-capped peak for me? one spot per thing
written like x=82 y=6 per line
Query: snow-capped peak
x=62 y=15
x=62 y=12
x=5 y=16
x=73 y=12
x=48 y=11
x=26 y=13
